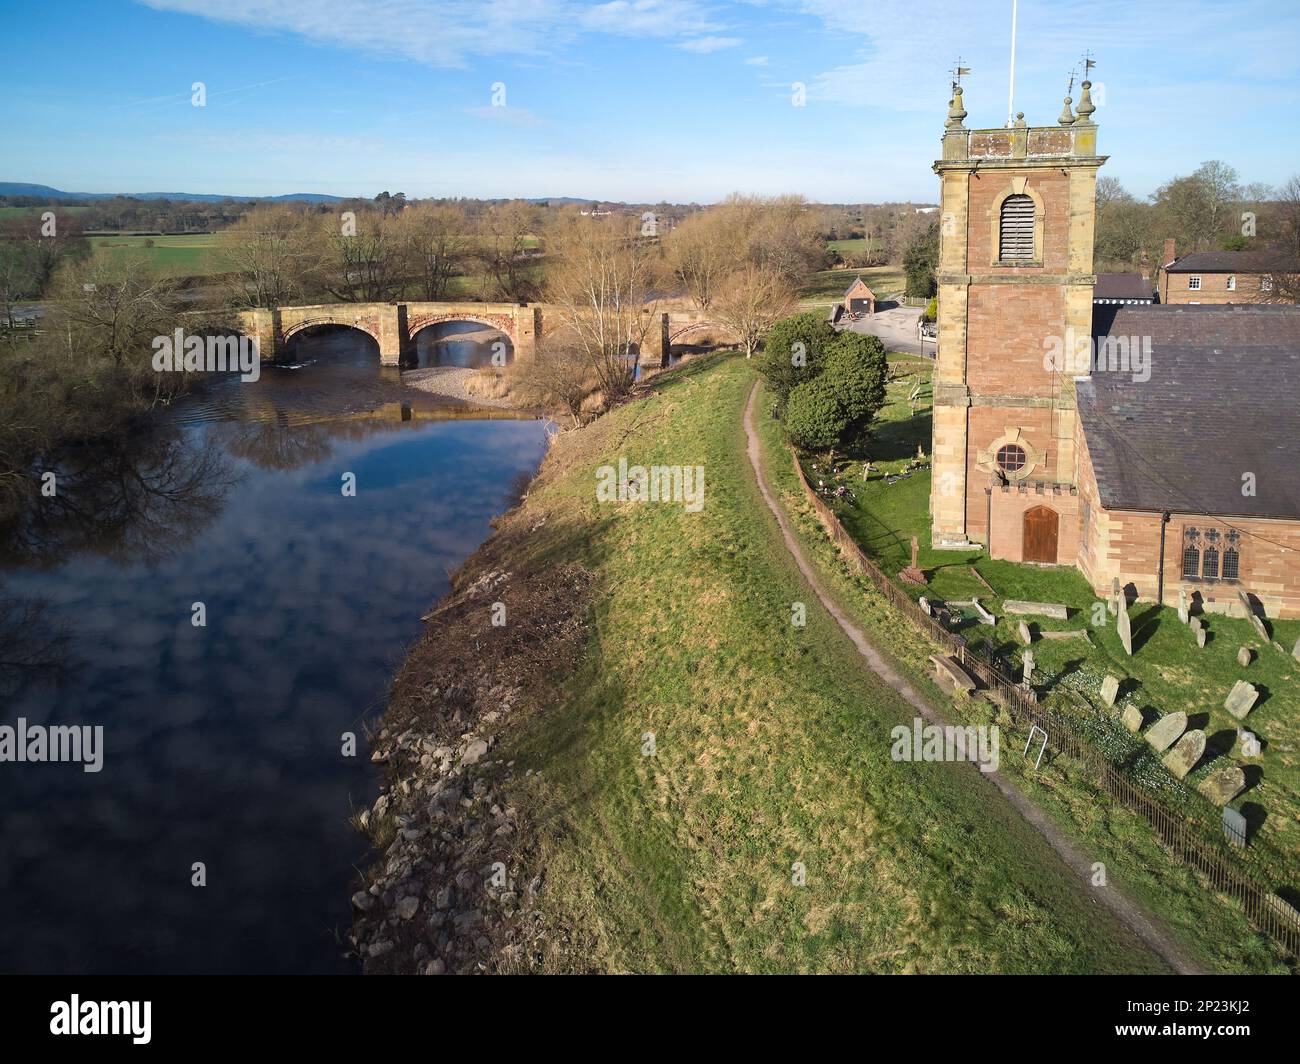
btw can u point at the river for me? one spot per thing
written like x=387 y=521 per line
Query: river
x=223 y=744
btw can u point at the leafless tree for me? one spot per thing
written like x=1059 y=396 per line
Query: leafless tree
x=751 y=301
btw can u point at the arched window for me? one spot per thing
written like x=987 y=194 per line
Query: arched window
x=1017 y=232
x=1210 y=566
x=1191 y=563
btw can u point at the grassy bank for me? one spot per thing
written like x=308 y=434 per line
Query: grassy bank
x=771 y=748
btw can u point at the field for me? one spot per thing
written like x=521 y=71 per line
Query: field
x=1167 y=672
x=828 y=286
x=192 y=255
x=771 y=748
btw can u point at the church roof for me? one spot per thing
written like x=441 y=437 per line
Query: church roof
x=1222 y=401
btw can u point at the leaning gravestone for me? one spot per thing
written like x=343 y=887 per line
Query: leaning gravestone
x=1200 y=637
x=1026 y=635
x=1117 y=600
x=1223 y=784
x=1241 y=699
x=1195 y=624
x=1182 y=605
x=1125 y=628
x=1234 y=826
x=1132 y=719
x=1183 y=616
x=1188 y=750
x=1028 y=660
x=1245 y=657
x=1109 y=690
x=1252 y=616
x=1165 y=732
x=924 y=603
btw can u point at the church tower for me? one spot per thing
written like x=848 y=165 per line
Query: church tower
x=1015 y=276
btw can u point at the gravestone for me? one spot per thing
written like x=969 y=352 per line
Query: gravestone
x=1241 y=699
x=1252 y=616
x=913 y=572
x=1125 y=628
x=1132 y=719
x=984 y=614
x=1026 y=635
x=1040 y=609
x=924 y=603
x=1245 y=656
x=1116 y=599
x=1109 y=690
x=1166 y=731
x=1186 y=752
x=1295 y=651
x=1182 y=614
x=1234 y=826
x=1223 y=784
x=1028 y=660
x=1073 y=633
x=1201 y=634
x=1195 y=624
x=1183 y=611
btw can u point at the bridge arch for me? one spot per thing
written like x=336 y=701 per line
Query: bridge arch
x=461 y=341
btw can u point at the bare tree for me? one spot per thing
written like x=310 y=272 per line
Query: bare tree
x=272 y=257
x=366 y=266
x=751 y=301
x=600 y=280
x=504 y=237
x=437 y=239
x=702 y=251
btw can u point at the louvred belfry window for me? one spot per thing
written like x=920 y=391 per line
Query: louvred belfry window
x=1017 y=235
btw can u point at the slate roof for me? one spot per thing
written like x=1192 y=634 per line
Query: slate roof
x=1122 y=286
x=1223 y=399
x=1234 y=262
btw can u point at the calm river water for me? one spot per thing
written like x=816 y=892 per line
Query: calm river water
x=222 y=744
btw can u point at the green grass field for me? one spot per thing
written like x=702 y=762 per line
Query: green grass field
x=828 y=286
x=772 y=747
x=194 y=255
x=1167 y=672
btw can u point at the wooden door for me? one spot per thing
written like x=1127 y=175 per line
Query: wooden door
x=1040 y=535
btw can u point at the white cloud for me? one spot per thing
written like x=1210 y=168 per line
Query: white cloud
x=705 y=45
x=650 y=18
x=756 y=60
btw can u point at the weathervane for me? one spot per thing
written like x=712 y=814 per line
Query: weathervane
x=1088 y=64
x=957 y=72
x=1073 y=74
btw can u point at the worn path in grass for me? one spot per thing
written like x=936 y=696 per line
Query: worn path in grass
x=1141 y=923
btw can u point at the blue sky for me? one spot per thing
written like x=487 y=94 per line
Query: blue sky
x=638 y=100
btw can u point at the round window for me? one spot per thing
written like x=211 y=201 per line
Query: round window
x=1011 y=458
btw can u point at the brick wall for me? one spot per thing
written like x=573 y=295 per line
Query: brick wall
x=1214 y=288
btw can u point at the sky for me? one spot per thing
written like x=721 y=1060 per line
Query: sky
x=631 y=100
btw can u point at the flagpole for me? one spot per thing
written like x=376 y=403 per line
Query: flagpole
x=1011 y=91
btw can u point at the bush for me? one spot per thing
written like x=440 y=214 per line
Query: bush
x=856 y=370
x=815 y=417
x=814 y=332
x=932 y=309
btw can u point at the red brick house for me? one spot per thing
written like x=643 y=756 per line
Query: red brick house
x=859 y=299
x=1222 y=276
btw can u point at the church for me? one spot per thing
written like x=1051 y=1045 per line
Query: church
x=1153 y=445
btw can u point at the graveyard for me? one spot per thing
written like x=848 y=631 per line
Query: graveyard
x=1182 y=662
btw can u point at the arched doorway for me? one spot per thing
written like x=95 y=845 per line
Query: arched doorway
x=1041 y=529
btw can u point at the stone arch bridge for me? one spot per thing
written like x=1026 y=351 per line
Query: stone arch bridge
x=394 y=326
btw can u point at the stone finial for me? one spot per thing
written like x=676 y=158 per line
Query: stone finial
x=956 y=112
x=1086 y=106
x=1067 y=116
x=1020 y=120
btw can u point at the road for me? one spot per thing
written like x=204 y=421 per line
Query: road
x=896 y=326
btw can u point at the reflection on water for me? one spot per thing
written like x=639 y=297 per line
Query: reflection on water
x=222 y=743
x=461 y=344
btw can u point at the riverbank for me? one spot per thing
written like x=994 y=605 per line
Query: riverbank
x=649 y=767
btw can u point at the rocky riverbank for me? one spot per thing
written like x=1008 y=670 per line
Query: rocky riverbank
x=456 y=887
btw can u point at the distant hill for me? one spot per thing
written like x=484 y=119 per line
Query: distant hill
x=17 y=188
